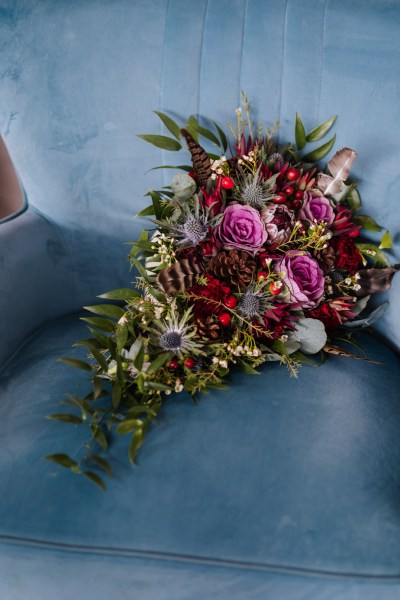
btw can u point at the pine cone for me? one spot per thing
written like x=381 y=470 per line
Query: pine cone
x=208 y=328
x=326 y=258
x=200 y=159
x=237 y=267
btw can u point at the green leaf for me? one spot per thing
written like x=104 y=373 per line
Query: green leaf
x=191 y=126
x=99 y=436
x=318 y=132
x=63 y=460
x=170 y=124
x=102 y=339
x=319 y=152
x=66 y=418
x=246 y=368
x=77 y=364
x=106 y=310
x=100 y=358
x=146 y=212
x=124 y=294
x=161 y=141
x=136 y=442
x=128 y=426
x=140 y=268
x=153 y=385
x=158 y=362
x=224 y=141
x=96 y=479
x=354 y=200
x=203 y=131
x=102 y=463
x=138 y=362
x=367 y=222
x=116 y=395
x=378 y=257
x=122 y=336
x=187 y=168
x=97 y=388
x=103 y=324
x=386 y=241
x=300 y=133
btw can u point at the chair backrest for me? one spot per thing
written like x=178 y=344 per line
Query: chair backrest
x=80 y=79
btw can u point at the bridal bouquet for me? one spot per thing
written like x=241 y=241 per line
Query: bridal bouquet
x=253 y=254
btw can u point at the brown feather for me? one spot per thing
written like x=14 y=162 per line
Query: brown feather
x=330 y=349
x=200 y=159
x=375 y=280
x=178 y=277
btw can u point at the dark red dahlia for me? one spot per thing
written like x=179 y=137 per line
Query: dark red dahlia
x=209 y=299
x=348 y=256
x=328 y=315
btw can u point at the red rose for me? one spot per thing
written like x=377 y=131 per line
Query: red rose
x=328 y=315
x=348 y=257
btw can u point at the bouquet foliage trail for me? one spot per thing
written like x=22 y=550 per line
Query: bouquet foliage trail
x=253 y=254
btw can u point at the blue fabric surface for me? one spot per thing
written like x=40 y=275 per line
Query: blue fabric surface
x=275 y=477
x=274 y=473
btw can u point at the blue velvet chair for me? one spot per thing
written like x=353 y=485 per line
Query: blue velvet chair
x=278 y=488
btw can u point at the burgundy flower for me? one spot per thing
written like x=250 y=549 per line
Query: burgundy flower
x=303 y=278
x=348 y=256
x=207 y=297
x=343 y=223
x=328 y=315
x=279 y=223
x=316 y=208
x=241 y=228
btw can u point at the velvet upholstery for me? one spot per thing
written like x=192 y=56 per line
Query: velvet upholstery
x=276 y=488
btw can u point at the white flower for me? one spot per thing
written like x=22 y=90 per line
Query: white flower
x=123 y=320
x=223 y=364
x=178 y=386
x=215 y=360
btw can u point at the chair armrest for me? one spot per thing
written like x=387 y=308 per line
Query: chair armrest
x=36 y=278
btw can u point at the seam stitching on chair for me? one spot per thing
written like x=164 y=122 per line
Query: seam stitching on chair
x=160 y=100
x=241 y=53
x=195 y=560
x=201 y=58
x=283 y=58
x=322 y=58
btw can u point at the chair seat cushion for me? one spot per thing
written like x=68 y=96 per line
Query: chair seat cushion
x=276 y=473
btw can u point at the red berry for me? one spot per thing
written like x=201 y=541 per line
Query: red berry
x=275 y=288
x=289 y=190
x=224 y=319
x=227 y=183
x=192 y=174
x=296 y=204
x=174 y=364
x=292 y=174
x=261 y=275
x=189 y=362
x=231 y=301
x=299 y=194
x=279 y=198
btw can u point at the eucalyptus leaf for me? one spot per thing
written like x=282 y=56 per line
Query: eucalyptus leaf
x=183 y=186
x=169 y=124
x=320 y=152
x=368 y=321
x=161 y=141
x=318 y=132
x=311 y=335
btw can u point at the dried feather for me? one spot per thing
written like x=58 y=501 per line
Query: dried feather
x=178 y=277
x=375 y=280
x=200 y=159
x=336 y=351
x=339 y=166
